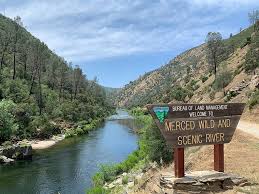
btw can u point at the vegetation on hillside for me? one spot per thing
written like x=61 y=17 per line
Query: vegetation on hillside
x=38 y=87
x=185 y=74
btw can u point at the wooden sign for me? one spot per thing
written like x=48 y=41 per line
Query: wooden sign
x=185 y=125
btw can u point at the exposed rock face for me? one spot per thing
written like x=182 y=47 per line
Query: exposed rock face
x=201 y=181
x=19 y=151
x=239 y=88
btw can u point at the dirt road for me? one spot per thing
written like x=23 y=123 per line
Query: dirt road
x=248 y=127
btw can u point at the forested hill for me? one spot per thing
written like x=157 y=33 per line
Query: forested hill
x=190 y=77
x=37 y=87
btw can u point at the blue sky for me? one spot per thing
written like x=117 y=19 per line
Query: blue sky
x=119 y=40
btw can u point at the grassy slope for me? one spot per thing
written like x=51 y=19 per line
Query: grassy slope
x=201 y=158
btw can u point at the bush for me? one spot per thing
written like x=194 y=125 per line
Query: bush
x=97 y=190
x=109 y=172
x=138 y=111
x=252 y=59
x=212 y=94
x=41 y=127
x=254 y=99
x=230 y=95
x=8 y=125
x=204 y=78
x=15 y=90
x=222 y=80
x=178 y=93
x=153 y=145
x=125 y=180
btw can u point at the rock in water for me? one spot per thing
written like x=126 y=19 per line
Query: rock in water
x=200 y=181
x=19 y=151
x=5 y=160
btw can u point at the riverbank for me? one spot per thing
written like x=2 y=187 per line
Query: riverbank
x=148 y=177
x=43 y=144
x=68 y=166
x=200 y=158
x=140 y=173
x=152 y=150
x=22 y=150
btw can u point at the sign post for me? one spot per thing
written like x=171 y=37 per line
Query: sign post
x=185 y=125
x=219 y=157
x=179 y=162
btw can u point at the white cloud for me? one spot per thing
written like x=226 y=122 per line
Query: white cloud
x=88 y=30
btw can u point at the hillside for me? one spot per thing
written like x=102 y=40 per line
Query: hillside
x=111 y=94
x=39 y=89
x=189 y=78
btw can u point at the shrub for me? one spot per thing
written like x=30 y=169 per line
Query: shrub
x=179 y=93
x=222 y=80
x=8 y=125
x=252 y=59
x=15 y=90
x=109 y=172
x=98 y=179
x=137 y=111
x=204 y=78
x=212 y=94
x=254 y=99
x=97 y=190
x=41 y=127
x=153 y=145
x=230 y=95
x=51 y=103
x=125 y=180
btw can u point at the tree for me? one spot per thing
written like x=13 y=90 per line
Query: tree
x=78 y=75
x=7 y=119
x=62 y=74
x=5 y=40
x=214 y=49
x=15 y=40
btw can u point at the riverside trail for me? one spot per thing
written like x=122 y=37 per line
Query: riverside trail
x=249 y=127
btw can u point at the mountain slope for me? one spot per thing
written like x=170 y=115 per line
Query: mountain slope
x=37 y=86
x=188 y=77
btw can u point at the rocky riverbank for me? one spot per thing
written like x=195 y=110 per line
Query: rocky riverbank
x=22 y=150
x=9 y=152
x=152 y=178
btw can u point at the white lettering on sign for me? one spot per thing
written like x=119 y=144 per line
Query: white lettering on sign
x=186 y=125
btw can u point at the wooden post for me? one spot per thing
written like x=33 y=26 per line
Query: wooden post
x=179 y=162
x=219 y=157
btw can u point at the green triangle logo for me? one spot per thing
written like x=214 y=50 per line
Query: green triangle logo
x=161 y=113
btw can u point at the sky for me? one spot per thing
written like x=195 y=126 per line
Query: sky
x=119 y=40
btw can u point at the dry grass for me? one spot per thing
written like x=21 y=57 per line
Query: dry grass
x=241 y=158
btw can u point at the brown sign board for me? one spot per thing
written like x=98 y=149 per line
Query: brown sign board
x=185 y=125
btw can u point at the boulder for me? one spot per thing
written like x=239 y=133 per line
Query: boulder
x=200 y=181
x=5 y=160
x=19 y=151
x=254 y=82
x=130 y=184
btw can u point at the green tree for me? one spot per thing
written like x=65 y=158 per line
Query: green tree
x=214 y=49
x=7 y=119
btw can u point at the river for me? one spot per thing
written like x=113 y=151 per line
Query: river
x=68 y=166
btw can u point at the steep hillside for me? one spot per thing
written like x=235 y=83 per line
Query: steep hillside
x=111 y=94
x=38 y=87
x=188 y=77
